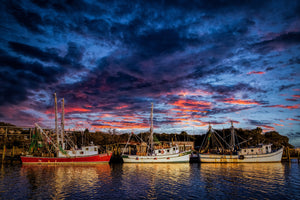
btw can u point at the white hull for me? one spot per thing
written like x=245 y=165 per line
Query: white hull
x=172 y=158
x=217 y=158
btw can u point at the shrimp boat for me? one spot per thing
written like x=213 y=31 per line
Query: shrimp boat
x=170 y=154
x=259 y=154
x=55 y=152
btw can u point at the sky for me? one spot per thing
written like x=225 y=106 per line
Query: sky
x=198 y=62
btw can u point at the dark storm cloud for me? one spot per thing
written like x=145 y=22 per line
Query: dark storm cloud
x=214 y=5
x=228 y=90
x=284 y=87
x=18 y=77
x=31 y=20
x=293 y=134
x=231 y=109
x=159 y=42
x=294 y=61
x=71 y=59
x=259 y=122
x=283 y=40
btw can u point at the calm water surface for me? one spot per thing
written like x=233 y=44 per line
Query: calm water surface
x=151 y=181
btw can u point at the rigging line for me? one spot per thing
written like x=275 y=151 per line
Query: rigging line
x=127 y=143
x=237 y=140
x=219 y=142
x=240 y=137
x=222 y=139
x=141 y=140
x=203 y=141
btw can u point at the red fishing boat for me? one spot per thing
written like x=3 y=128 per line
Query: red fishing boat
x=45 y=150
x=93 y=158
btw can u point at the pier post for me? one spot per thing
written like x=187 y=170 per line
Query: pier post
x=288 y=154
x=4 y=145
x=3 y=153
x=13 y=152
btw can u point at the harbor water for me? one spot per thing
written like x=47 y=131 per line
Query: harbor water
x=151 y=181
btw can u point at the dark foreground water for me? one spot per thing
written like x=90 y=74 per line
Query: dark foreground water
x=152 y=181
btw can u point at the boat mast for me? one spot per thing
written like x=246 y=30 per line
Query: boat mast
x=62 y=122
x=151 y=129
x=232 y=140
x=56 y=126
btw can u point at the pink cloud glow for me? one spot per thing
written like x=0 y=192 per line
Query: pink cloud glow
x=256 y=72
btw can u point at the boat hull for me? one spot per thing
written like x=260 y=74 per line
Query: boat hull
x=101 y=158
x=173 y=158
x=259 y=158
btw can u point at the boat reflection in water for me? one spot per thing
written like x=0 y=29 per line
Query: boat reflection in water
x=206 y=181
x=65 y=181
x=242 y=180
x=153 y=181
x=156 y=181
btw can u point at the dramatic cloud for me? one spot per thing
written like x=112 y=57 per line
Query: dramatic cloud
x=199 y=62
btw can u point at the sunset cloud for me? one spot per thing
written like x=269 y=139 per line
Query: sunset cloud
x=256 y=72
x=110 y=60
x=285 y=107
x=298 y=120
x=278 y=124
x=239 y=101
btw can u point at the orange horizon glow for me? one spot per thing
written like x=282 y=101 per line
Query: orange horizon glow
x=287 y=107
x=298 y=120
x=256 y=72
x=278 y=124
x=268 y=128
x=78 y=109
x=190 y=105
x=239 y=101
x=121 y=107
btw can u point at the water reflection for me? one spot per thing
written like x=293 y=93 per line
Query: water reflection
x=244 y=180
x=64 y=181
x=151 y=181
x=155 y=181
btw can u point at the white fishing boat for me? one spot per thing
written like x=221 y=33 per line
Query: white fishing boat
x=170 y=154
x=260 y=153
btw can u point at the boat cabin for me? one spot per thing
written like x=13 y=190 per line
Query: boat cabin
x=165 y=151
x=260 y=149
x=84 y=151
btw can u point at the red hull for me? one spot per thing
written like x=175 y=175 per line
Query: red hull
x=101 y=158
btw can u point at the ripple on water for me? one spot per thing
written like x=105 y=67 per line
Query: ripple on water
x=151 y=181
